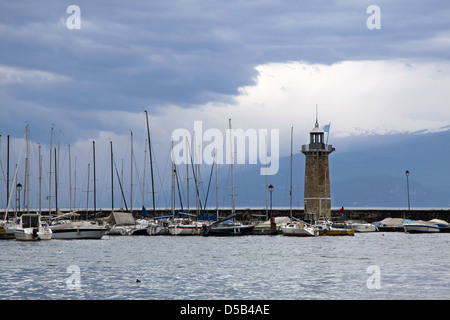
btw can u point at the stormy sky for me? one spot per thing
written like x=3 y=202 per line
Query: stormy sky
x=264 y=64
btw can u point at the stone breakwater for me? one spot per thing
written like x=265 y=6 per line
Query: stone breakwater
x=248 y=214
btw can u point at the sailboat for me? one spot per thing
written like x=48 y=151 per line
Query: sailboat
x=30 y=226
x=183 y=225
x=228 y=226
x=9 y=224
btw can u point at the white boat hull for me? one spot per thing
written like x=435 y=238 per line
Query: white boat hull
x=363 y=227
x=418 y=227
x=299 y=230
x=185 y=230
x=79 y=233
x=28 y=234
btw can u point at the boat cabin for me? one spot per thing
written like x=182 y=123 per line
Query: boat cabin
x=30 y=220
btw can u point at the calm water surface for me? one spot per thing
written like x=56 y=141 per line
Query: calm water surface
x=411 y=266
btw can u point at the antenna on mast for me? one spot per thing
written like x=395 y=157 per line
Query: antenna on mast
x=317 y=122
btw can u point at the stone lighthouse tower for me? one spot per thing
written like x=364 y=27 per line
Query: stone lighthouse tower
x=317 y=196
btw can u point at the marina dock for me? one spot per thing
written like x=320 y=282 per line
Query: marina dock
x=249 y=214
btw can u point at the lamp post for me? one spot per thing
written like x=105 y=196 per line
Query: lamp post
x=270 y=190
x=407 y=187
x=19 y=188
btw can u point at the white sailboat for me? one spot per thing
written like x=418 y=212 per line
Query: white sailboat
x=31 y=228
x=228 y=226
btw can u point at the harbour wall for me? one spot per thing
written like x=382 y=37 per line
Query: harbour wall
x=248 y=214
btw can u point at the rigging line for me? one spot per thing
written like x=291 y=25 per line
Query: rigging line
x=120 y=184
x=178 y=187
x=209 y=184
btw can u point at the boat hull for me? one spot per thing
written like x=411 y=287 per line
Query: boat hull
x=421 y=228
x=32 y=235
x=299 y=230
x=185 y=230
x=364 y=228
x=337 y=232
x=227 y=230
x=79 y=233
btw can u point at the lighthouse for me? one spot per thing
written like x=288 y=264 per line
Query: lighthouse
x=317 y=197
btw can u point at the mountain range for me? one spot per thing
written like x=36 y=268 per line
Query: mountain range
x=365 y=171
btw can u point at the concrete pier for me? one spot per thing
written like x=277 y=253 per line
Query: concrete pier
x=248 y=214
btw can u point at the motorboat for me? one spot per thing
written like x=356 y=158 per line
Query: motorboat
x=31 y=228
x=326 y=228
x=66 y=229
x=300 y=229
x=391 y=224
x=361 y=226
x=443 y=225
x=420 y=226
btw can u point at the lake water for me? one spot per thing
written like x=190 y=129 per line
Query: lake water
x=366 y=266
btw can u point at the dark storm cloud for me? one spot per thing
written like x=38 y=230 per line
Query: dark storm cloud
x=149 y=54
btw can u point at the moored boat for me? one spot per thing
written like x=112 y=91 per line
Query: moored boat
x=66 y=229
x=31 y=228
x=443 y=225
x=361 y=226
x=326 y=228
x=185 y=227
x=271 y=227
x=227 y=227
x=300 y=229
x=420 y=226
x=391 y=224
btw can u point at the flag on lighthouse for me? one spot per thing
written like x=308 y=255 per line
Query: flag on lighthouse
x=326 y=128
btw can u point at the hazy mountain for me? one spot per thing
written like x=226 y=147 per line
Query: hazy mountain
x=365 y=171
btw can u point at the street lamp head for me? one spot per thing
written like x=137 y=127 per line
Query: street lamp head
x=19 y=187
x=407 y=172
x=270 y=188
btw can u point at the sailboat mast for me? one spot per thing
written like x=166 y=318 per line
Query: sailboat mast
x=131 y=174
x=93 y=164
x=290 y=190
x=232 y=176
x=173 y=184
x=87 y=192
x=151 y=162
x=50 y=178
x=70 y=181
x=56 y=186
x=40 y=180
x=7 y=171
x=27 y=170
x=187 y=171
x=112 y=179
x=217 y=189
